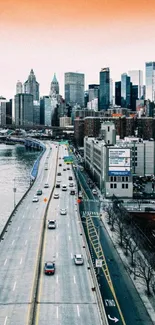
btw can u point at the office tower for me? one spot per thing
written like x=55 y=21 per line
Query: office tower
x=3 y=102
x=150 y=81
x=86 y=98
x=9 y=112
x=54 y=86
x=134 y=96
x=125 y=91
x=74 y=88
x=24 y=109
x=19 y=87
x=93 y=91
x=45 y=111
x=118 y=93
x=36 y=112
x=136 y=77
x=111 y=91
x=31 y=86
x=104 y=96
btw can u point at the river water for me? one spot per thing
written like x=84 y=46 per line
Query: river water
x=16 y=163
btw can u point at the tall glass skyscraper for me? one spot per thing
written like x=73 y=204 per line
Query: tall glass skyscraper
x=31 y=86
x=104 y=97
x=74 y=88
x=136 y=77
x=150 y=81
x=125 y=91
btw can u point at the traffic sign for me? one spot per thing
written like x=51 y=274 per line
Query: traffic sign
x=98 y=263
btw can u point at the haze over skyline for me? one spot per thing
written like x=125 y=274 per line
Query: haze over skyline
x=84 y=37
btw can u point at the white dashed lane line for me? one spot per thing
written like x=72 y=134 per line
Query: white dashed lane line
x=5 y=261
x=25 y=242
x=14 y=286
x=21 y=261
x=74 y=279
x=13 y=242
x=78 y=311
x=5 y=320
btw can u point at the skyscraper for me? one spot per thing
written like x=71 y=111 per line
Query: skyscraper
x=125 y=91
x=134 y=96
x=54 y=86
x=111 y=91
x=19 y=87
x=150 y=81
x=118 y=93
x=74 y=88
x=93 y=91
x=31 y=86
x=24 y=109
x=136 y=77
x=45 y=111
x=104 y=96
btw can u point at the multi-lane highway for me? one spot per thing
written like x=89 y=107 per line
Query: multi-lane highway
x=67 y=296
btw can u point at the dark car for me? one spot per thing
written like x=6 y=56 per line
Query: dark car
x=72 y=192
x=49 y=268
x=59 y=174
x=57 y=185
x=64 y=169
x=60 y=165
x=39 y=192
x=70 y=178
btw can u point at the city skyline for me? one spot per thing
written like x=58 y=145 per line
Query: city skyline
x=57 y=37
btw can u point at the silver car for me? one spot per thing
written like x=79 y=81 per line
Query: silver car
x=78 y=259
x=51 y=224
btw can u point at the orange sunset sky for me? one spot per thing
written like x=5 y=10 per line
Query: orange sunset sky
x=64 y=35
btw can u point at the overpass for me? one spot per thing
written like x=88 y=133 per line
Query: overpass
x=37 y=127
x=28 y=296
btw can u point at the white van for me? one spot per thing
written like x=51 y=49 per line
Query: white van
x=64 y=187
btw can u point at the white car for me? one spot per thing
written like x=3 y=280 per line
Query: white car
x=35 y=199
x=64 y=187
x=78 y=259
x=46 y=185
x=58 y=180
x=94 y=191
x=51 y=224
x=56 y=195
x=63 y=212
x=71 y=184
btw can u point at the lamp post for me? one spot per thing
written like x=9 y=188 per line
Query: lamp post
x=14 y=191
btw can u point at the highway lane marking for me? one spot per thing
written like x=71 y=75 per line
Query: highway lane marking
x=14 y=286
x=71 y=255
x=69 y=237
x=13 y=242
x=57 y=312
x=21 y=261
x=68 y=225
x=23 y=216
x=57 y=255
x=57 y=279
x=5 y=320
x=78 y=311
x=25 y=241
x=18 y=228
x=57 y=237
x=74 y=279
x=33 y=216
x=29 y=227
x=5 y=261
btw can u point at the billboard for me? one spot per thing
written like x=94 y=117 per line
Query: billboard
x=119 y=162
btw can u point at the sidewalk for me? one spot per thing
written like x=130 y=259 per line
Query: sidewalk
x=149 y=302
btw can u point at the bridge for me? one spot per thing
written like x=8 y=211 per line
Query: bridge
x=27 y=127
x=28 y=296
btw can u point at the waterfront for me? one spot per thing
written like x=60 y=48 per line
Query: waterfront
x=15 y=166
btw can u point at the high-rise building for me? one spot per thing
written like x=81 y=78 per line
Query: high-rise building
x=9 y=112
x=54 y=86
x=24 y=109
x=3 y=102
x=74 y=88
x=36 y=112
x=134 y=96
x=125 y=91
x=136 y=77
x=104 y=92
x=150 y=81
x=19 y=87
x=111 y=91
x=45 y=111
x=118 y=93
x=93 y=91
x=31 y=86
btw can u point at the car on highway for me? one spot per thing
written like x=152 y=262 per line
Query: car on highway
x=78 y=259
x=51 y=224
x=71 y=184
x=60 y=165
x=63 y=212
x=58 y=174
x=68 y=168
x=49 y=268
x=46 y=167
x=64 y=169
x=80 y=195
x=70 y=178
x=64 y=187
x=46 y=185
x=56 y=195
x=58 y=180
x=39 y=192
x=72 y=192
x=57 y=185
x=35 y=199
x=94 y=191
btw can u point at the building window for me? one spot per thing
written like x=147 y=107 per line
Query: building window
x=111 y=185
x=126 y=185
x=122 y=185
x=135 y=153
x=108 y=128
x=135 y=158
x=114 y=178
x=123 y=179
x=135 y=164
x=115 y=185
x=135 y=148
x=111 y=178
x=126 y=179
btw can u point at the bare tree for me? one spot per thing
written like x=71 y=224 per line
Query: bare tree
x=126 y=239
x=120 y=228
x=145 y=271
x=133 y=248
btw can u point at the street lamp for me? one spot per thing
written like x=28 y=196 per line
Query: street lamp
x=14 y=191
